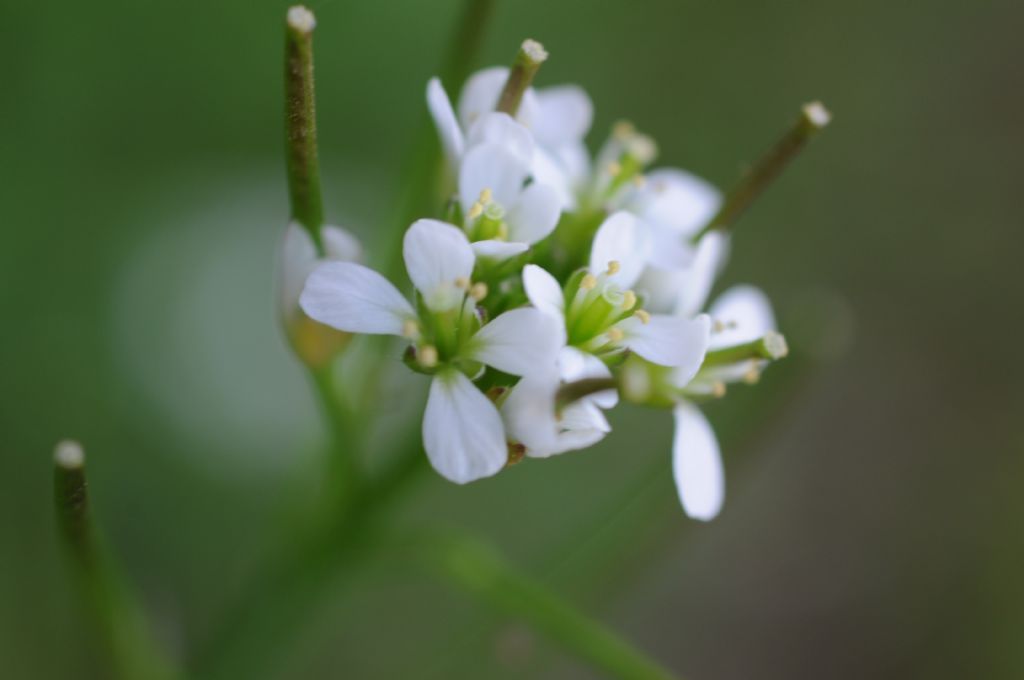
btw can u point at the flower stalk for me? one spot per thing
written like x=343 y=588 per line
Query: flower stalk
x=118 y=617
x=814 y=117
x=527 y=62
x=300 y=124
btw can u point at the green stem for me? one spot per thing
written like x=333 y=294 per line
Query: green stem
x=525 y=66
x=770 y=347
x=118 y=616
x=474 y=567
x=813 y=118
x=342 y=462
x=300 y=123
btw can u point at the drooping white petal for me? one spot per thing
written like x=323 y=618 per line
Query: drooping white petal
x=462 y=430
x=444 y=120
x=669 y=340
x=624 y=239
x=501 y=129
x=498 y=250
x=582 y=425
x=697 y=464
x=564 y=114
x=575 y=364
x=354 y=298
x=677 y=200
x=544 y=291
x=699 y=277
x=519 y=341
x=436 y=254
x=741 y=314
x=491 y=166
x=535 y=214
x=340 y=245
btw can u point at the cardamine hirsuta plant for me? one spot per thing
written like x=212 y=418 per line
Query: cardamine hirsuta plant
x=547 y=287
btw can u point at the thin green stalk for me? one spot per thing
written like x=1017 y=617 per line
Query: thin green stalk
x=118 y=616
x=343 y=474
x=813 y=119
x=475 y=568
x=769 y=347
x=300 y=123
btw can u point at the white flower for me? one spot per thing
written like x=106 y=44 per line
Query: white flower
x=462 y=429
x=599 y=311
x=297 y=258
x=558 y=117
x=531 y=415
x=741 y=314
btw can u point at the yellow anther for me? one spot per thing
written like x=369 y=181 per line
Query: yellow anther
x=629 y=300
x=428 y=356
x=485 y=196
x=717 y=326
x=475 y=211
x=589 y=282
x=753 y=373
x=623 y=129
x=718 y=389
x=410 y=329
x=613 y=168
x=643 y=315
x=478 y=292
x=462 y=282
x=615 y=334
x=613 y=267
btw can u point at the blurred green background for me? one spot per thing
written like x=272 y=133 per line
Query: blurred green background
x=873 y=522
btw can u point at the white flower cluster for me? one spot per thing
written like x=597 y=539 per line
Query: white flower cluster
x=555 y=285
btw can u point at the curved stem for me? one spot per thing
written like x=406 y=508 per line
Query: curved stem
x=343 y=437
x=481 y=572
x=118 y=615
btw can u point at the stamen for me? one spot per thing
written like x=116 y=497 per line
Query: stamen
x=410 y=329
x=623 y=129
x=643 y=315
x=613 y=168
x=589 y=282
x=485 y=196
x=613 y=267
x=629 y=301
x=428 y=356
x=753 y=373
x=717 y=326
x=718 y=389
x=616 y=334
x=479 y=291
x=462 y=283
x=475 y=210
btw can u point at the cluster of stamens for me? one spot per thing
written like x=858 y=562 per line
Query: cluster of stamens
x=596 y=309
x=486 y=218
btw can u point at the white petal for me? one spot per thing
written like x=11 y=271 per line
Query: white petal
x=697 y=464
x=444 y=120
x=745 y=314
x=529 y=413
x=498 y=250
x=699 y=277
x=354 y=298
x=480 y=96
x=535 y=215
x=462 y=430
x=624 y=239
x=341 y=245
x=501 y=129
x=564 y=114
x=581 y=426
x=575 y=364
x=549 y=171
x=679 y=201
x=519 y=341
x=296 y=259
x=436 y=254
x=669 y=340
x=544 y=292
x=491 y=166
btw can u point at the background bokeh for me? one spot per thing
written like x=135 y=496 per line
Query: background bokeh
x=873 y=522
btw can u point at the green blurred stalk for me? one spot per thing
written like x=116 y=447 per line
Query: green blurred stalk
x=344 y=438
x=482 y=573
x=111 y=604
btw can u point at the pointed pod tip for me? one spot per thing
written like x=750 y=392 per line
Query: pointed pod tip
x=69 y=455
x=301 y=19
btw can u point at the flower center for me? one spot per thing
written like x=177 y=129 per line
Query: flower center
x=597 y=305
x=485 y=220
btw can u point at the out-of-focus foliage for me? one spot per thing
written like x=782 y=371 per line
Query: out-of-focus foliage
x=873 y=521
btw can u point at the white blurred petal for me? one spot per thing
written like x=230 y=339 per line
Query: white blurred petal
x=529 y=415
x=480 y=94
x=444 y=120
x=699 y=277
x=498 y=250
x=462 y=430
x=501 y=129
x=296 y=259
x=544 y=291
x=624 y=239
x=743 y=313
x=575 y=364
x=354 y=298
x=669 y=340
x=519 y=341
x=340 y=244
x=491 y=166
x=436 y=254
x=679 y=201
x=697 y=464
x=564 y=115
x=535 y=215
x=549 y=171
